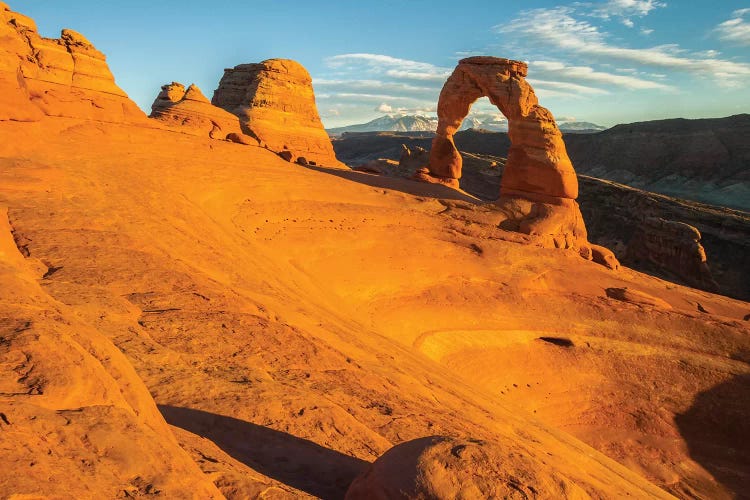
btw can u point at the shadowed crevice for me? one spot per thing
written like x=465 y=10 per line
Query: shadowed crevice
x=293 y=461
x=716 y=429
x=404 y=185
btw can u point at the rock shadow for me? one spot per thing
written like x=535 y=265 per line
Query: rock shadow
x=293 y=461
x=401 y=184
x=716 y=429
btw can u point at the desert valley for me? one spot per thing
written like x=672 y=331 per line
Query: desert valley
x=220 y=300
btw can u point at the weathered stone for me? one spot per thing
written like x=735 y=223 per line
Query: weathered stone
x=190 y=110
x=445 y=468
x=674 y=247
x=637 y=297
x=274 y=101
x=604 y=256
x=539 y=185
x=287 y=155
x=242 y=139
x=65 y=77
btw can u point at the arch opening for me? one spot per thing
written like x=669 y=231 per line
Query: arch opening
x=539 y=186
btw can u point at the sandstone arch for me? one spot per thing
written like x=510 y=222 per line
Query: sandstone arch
x=539 y=185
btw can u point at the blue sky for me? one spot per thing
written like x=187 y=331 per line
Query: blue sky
x=605 y=61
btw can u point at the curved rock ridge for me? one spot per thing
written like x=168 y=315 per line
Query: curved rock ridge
x=64 y=76
x=440 y=467
x=539 y=185
x=189 y=108
x=275 y=102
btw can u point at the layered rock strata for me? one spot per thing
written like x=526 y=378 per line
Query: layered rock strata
x=64 y=76
x=674 y=247
x=189 y=108
x=275 y=102
x=539 y=185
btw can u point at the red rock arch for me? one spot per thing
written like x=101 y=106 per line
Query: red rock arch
x=539 y=185
x=538 y=164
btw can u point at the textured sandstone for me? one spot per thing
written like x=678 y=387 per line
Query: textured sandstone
x=443 y=468
x=274 y=101
x=64 y=76
x=190 y=110
x=539 y=185
x=637 y=297
x=675 y=247
x=604 y=256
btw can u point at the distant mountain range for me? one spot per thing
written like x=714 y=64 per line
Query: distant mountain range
x=419 y=123
x=705 y=160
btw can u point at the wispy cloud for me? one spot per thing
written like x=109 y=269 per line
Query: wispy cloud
x=735 y=30
x=621 y=8
x=557 y=27
x=561 y=71
x=558 y=85
x=390 y=66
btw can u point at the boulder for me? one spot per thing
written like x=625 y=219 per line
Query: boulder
x=190 y=110
x=242 y=139
x=604 y=256
x=275 y=102
x=287 y=155
x=446 y=468
x=66 y=76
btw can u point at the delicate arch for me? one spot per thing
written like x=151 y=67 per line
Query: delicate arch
x=538 y=166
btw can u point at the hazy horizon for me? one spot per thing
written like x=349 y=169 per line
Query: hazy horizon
x=605 y=62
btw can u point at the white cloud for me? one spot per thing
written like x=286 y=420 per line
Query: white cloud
x=390 y=66
x=361 y=96
x=557 y=85
x=646 y=31
x=620 y=8
x=735 y=30
x=560 y=71
x=558 y=28
x=371 y=86
x=628 y=22
x=384 y=108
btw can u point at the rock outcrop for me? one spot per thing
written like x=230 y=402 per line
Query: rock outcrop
x=674 y=247
x=440 y=467
x=702 y=160
x=539 y=185
x=274 y=101
x=189 y=108
x=64 y=76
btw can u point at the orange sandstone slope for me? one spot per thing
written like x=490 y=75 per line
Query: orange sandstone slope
x=293 y=324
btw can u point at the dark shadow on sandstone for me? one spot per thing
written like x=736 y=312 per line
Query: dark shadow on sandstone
x=408 y=186
x=716 y=429
x=296 y=462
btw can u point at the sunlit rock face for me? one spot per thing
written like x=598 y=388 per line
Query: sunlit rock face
x=539 y=186
x=192 y=112
x=275 y=102
x=64 y=76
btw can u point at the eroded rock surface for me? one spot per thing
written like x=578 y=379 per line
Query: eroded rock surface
x=189 y=108
x=275 y=102
x=64 y=76
x=675 y=247
x=444 y=468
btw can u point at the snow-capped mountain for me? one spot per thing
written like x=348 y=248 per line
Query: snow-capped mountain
x=418 y=123
x=391 y=123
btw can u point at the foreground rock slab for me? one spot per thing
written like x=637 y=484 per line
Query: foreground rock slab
x=446 y=468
